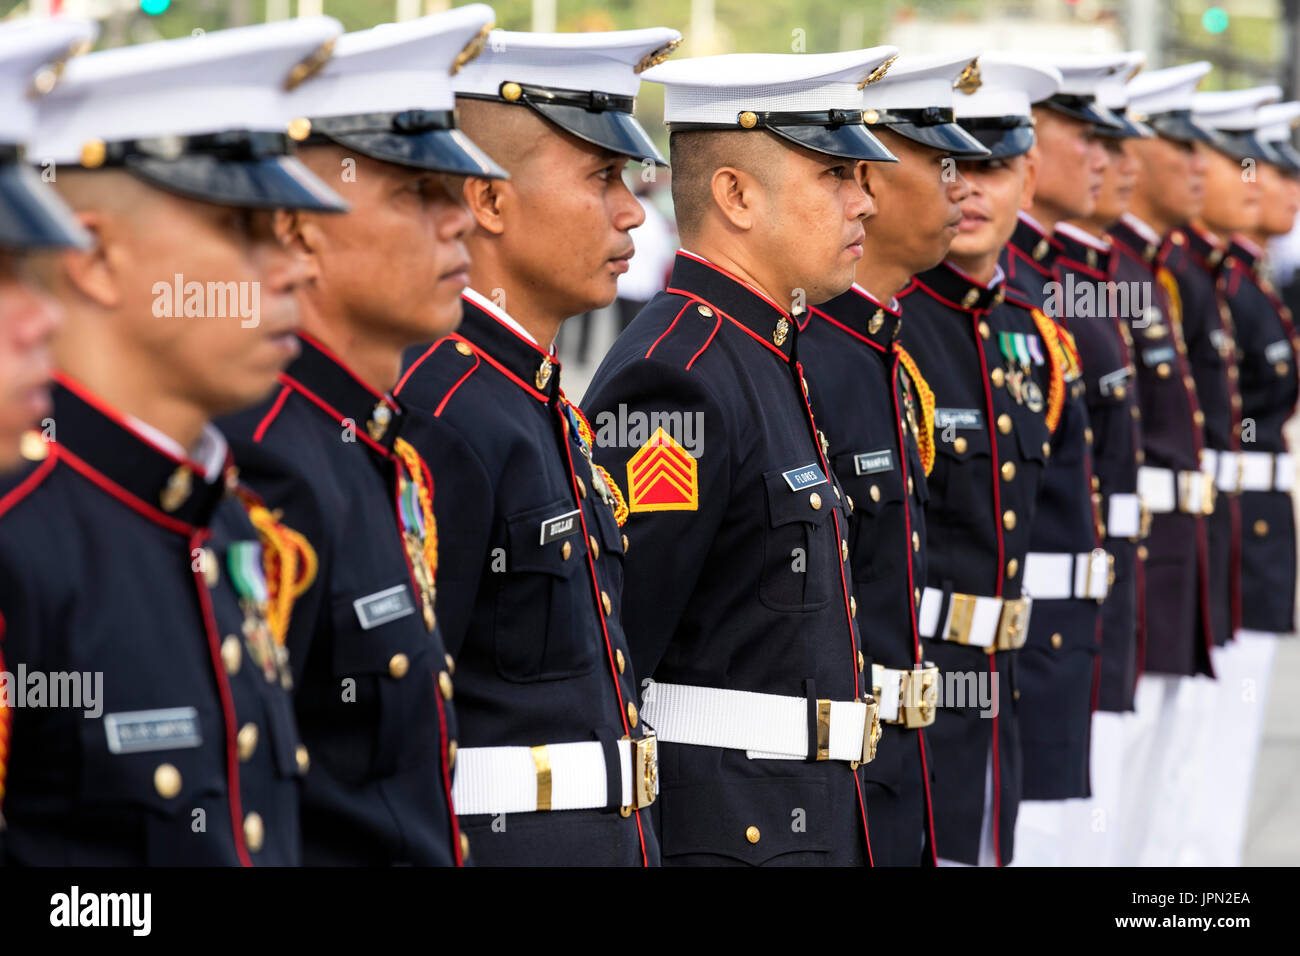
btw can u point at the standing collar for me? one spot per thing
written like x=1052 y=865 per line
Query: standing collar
x=746 y=306
x=861 y=315
x=1246 y=252
x=130 y=462
x=511 y=350
x=1137 y=236
x=324 y=379
x=1205 y=247
x=1033 y=243
x=954 y=286
x=492 y=309
x=1080 y=246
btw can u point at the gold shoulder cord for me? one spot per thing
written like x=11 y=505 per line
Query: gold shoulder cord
x=925 y=434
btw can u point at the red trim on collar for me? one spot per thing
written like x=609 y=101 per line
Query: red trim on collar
x=733 y=278
x=117 y=491
x=812 y=309
x=97 y=403
x=330 y=410
x=1083 y=267
x=513 y=331
x=334 y=357
x=1029 y=260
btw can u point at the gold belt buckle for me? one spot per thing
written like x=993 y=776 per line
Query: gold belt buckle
x=1144 y=520
x=1013 y=626
x=1110 y=571
x=920 y=696
x=961 y=613
x=645 y=773
x=871 y=729
x=1209 y=496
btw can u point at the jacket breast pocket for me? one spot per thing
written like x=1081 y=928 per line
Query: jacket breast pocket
x=800 y=553
x=877 y=502
x=545 y=627
x=748 y=821
x=392 y=666
x=960 y=476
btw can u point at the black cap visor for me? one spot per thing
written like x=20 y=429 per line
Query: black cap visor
x=266 y=182
x=1179 y=125
x=1002 y=136
x=1287 y=156
x=614 y=130
x=1083 y=108
x=1128 y=128
x=945 y=137
x=32 y=216
x=437 y=150
x=849 y=141
x=1242 y=144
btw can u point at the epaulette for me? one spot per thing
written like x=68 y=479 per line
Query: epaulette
x=691 y=332
x=925 y=432
x=1057 y=363
x=588 y=437
x=289 y=562
x=1016 y=297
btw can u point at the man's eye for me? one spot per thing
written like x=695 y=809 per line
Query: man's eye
x=837 y=171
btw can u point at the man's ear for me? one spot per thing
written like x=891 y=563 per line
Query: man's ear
x=734 y=194
x=94 y=272
x=866 y=177
x=300 y=233
x=1031 y=179
x=486 y=200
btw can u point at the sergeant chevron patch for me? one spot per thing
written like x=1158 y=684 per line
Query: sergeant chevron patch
x=662 y=476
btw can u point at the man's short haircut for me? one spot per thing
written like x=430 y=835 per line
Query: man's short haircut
x=696 y=154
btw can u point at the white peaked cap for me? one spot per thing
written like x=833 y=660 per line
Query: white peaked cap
x=215 y=82
x=395 y=66
x=1011 y=84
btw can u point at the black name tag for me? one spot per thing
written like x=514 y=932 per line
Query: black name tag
x=561 y=526
x=173 y=728
x=1111 y=380
x=871 y=462
x=384 y=606
x=803 y=477
x=1164 y=353
x=958 y=418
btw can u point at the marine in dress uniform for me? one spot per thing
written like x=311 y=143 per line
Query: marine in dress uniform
x=737 y=596
x=552 y=767
x=139 y=565
x=1159 y=746
x=995 y=369
x=375 y=687
x=1262 y=472
x=876 y=414
x=1067 y=571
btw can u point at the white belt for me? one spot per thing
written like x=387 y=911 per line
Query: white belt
x=907 y=697
x=765 y=726
x=552 y=777
x=988 y=622
x=1059 y=576
x=1124 y=516
x=1265 y=471
x=1164 y=491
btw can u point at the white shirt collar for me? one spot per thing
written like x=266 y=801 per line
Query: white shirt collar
x=1141 y=228
x=492 y=309
x=1035 y=223
x=1081 y=235
x=893 y=300
x=209 y=451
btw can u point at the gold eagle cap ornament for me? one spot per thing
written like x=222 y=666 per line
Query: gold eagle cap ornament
x=658 y=56
x=47 y=77
x=309 y=66
x=472 y=49
x=970 y=79
x=878 y=73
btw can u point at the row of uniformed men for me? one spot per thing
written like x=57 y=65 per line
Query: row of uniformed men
x=260 y=596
